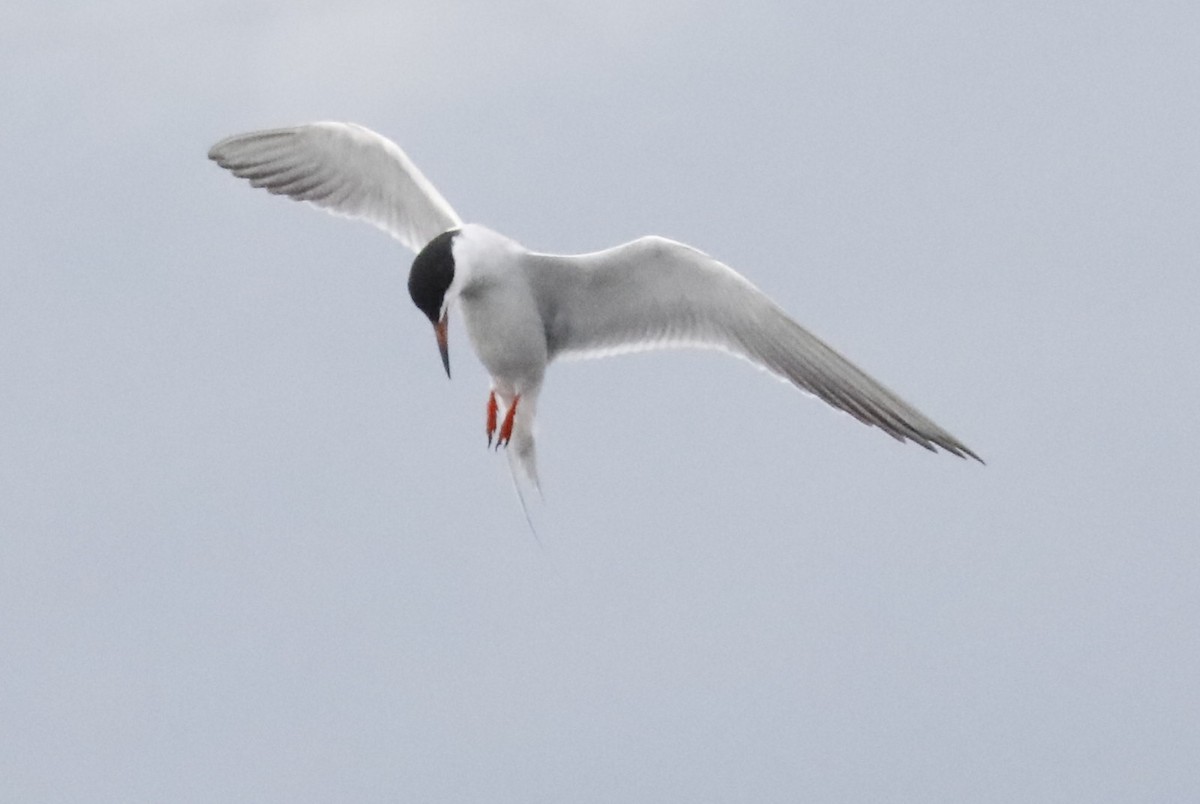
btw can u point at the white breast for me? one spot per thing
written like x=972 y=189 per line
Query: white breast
x=498 y=307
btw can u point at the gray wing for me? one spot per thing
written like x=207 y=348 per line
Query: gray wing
x=346 y=169
x=655 y=293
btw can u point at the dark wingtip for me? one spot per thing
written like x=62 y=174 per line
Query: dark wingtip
x=965 y=452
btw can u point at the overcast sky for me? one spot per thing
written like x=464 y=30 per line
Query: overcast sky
x=253 y=547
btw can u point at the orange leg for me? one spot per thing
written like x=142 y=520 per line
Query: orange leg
x=491 y=416
x=507 y=427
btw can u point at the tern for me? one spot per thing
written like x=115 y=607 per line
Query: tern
x=523 y=309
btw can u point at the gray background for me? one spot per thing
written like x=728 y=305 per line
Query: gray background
x=252 y=547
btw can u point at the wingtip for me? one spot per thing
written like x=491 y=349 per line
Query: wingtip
x=219 y=152
x=964 y=452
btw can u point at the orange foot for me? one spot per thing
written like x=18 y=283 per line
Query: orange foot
x=507 y=427
x=491 y=416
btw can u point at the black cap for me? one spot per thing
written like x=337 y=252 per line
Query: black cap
x=431 y=274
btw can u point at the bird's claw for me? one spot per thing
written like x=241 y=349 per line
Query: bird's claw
x=506 y=427
x=491 y=417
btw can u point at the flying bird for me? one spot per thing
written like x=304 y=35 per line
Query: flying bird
x=523 y=309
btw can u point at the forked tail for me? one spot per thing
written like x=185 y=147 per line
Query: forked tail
x=522 y=456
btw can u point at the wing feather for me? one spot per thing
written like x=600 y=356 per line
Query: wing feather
x=655 y=293
x=345 y=169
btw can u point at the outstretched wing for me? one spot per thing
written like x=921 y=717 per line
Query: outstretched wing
x=655 y=293
x=346 y=169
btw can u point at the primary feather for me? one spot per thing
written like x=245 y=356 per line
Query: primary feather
x=656 y=293
x=345 y=169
